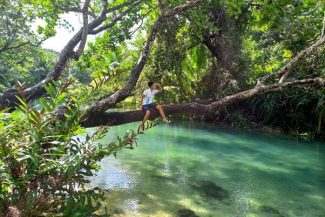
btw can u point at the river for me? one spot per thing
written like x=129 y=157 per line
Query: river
x=192 y=169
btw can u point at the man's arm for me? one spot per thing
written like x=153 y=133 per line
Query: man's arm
x=141 y=100
x=142 y=97
x=159 y=87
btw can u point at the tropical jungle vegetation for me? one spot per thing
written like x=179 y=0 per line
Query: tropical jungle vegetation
x=246 y=63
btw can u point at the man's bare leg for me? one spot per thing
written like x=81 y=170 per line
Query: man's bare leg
x=162 y=113
x=145 y=118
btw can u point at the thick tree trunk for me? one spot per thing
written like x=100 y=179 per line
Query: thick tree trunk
x=117 y=118
x=93 y=119
x=225 y=45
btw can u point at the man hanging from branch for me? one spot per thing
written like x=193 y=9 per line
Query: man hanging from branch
x=148 y=103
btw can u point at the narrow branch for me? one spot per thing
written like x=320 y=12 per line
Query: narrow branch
x=74 y=9
x=285 y=70
x=106 y=10
x=120 y=6
x=84 y=30
x=264 y=89
x=181 y=8
x=141 y=23
x=115 y=20
x=7 y=46
x=11 y=36
x=323 y=29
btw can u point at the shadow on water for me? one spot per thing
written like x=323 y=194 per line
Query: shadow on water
x=177 y=171
x=210 y=190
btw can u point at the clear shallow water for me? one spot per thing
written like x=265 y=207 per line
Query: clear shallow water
x=183 y=168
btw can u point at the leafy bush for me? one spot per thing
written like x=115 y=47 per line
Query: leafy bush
x=298 y=110
x=44 y=164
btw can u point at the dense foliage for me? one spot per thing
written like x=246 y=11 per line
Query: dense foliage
x=44 y=165
x=202 y=54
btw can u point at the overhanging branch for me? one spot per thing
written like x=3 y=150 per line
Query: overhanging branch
x=116 y=118
x=284 y=71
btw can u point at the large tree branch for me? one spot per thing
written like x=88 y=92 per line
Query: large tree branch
x=323 y=29
x=9 y=98
x=84 y=30
x=135 y=73
x=310 y=49
x=284 y=71
x=116 y=118
x=125 y=91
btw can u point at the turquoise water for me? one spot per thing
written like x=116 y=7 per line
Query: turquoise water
x=185 y=169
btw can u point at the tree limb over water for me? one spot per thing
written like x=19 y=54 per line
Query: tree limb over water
x=116 y=118
x=96 y=114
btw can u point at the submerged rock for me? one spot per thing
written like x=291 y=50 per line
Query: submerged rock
x=186 y=213
x=164 y=178
x=272 y=212
x=211 y=190
x=118 y=211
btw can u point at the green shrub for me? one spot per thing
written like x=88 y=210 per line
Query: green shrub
x=44 y=164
